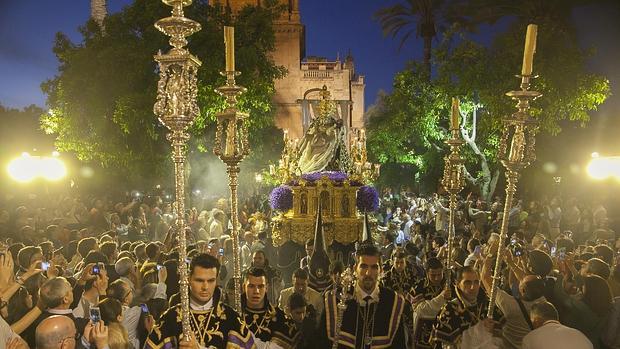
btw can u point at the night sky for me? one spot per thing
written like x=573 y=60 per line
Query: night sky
x=27 y=29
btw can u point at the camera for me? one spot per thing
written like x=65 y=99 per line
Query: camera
x=145 y=308
x=96 y=269
x=45 y=266
x=95 y=315
x=221 y=251
x=516 y=247
x=159 y=267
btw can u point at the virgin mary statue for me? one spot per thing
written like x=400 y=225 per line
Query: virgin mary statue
x=322 y=147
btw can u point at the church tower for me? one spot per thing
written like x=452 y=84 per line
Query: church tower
x=98 y=11
x=298 y=92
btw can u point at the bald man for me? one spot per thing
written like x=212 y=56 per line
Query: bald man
x=56 y=332
x=549 y=333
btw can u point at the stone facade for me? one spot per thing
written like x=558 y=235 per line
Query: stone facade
x=306 y=75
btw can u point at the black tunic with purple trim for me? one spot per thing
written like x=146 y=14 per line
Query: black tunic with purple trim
x=220 y=327
x=269 y=324
x=384 y=330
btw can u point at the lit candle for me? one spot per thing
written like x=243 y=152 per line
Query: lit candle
x=530 y=49
x=285 y=136
x=454 y=119
x=229 y=42
x=272 y=169
x=363 y=135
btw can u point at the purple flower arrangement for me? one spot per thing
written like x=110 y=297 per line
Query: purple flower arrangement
x=281 y=198
x=334 y=176
x=367 y=199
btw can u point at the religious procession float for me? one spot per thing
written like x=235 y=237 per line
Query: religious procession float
x=327 y=168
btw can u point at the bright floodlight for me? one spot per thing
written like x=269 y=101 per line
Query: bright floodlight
x=602 y=167
x=23 y=169
x=52 y=168
x=26 y=168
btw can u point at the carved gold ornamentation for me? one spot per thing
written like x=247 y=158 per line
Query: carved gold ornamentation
x=298 y=226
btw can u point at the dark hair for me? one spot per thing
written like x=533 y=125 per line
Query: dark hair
x=566 y=243
x=534 y=289
x=540 y=262
x=472 y=243
x=296 y=301
x=95 y=257
x=544 y=310
x=336 y=267
x=110 y=309
x=108 y=248
x=412 y=249
x=434 y=263
x=86 y=245
x=151 y=250
x=206 y=261
x=255 y=272
x=399 y=253
x=598 y=267
x=368 y=250
x=439 y=240
x=70 y=250
x=597 y=295
x=301 y=274
x=125 y=246
x=25 y=255
x=47 y=247
x=118 y=290
x=605 y=253
x=461 y=271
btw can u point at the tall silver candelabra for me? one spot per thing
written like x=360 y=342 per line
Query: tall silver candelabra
x=176 y=108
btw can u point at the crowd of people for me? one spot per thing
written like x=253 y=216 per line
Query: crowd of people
x=99 y=273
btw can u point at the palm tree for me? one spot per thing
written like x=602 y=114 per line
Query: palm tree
x=415 y=16
x=98 y=11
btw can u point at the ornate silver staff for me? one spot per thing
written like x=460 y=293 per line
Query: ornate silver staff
x=347 y=280
x=521 y=129
x=453 y=180
x=232 y=148
x=176 y=108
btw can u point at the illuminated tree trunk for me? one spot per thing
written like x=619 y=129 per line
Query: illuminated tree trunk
x=486 y=182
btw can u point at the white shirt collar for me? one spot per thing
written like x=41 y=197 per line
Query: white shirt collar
x=196 y=306
x=60 y=311
x=360 y=294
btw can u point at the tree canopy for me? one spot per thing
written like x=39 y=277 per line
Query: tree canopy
x=101 y=101
x=410 y=124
